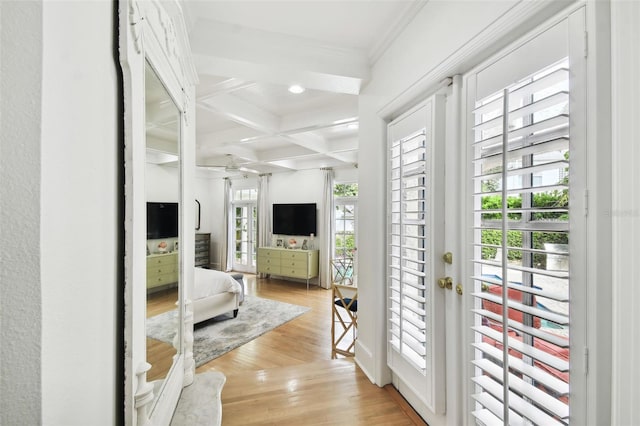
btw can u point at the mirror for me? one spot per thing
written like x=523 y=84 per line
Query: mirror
x=162 y=191
x=159 y=153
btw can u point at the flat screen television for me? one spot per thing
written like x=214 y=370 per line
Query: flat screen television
x=294 y=219
x=162 y=220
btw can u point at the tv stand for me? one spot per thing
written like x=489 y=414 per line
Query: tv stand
x=292 y=263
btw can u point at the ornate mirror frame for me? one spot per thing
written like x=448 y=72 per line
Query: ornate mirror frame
x=153 y=31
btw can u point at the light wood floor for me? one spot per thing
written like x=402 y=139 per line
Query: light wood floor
x=160 y=354
x=287 y=376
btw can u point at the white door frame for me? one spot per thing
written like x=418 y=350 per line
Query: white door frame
x=249 y=267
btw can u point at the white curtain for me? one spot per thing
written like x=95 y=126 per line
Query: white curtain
x=227 y=247
x=328 y=220
x=264 y=213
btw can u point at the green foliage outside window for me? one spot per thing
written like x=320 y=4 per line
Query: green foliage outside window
x=345 y=244
x=514 y=239
x=554 y=199
x=345 y=190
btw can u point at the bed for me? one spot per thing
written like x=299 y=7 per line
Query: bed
x=215 y=293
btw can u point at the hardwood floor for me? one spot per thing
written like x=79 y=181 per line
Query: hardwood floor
x=287 y=376
x=160 y=354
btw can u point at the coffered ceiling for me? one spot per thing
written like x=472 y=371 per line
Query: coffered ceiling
x=247 y=54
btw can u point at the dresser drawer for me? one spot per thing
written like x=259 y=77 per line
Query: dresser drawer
x=265 y=261
x=162 y=279
x=267 y=253
x=157 y=269
x=269 y=269
x=163 y=259
x=295 y=255
x=293 y=263
x=294 y=272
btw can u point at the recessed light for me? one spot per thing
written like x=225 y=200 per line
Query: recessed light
x=296 y=88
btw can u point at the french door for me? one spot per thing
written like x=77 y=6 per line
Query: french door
x=245 y=222
x=522 y=233
x=415 y=244
x=526 y=150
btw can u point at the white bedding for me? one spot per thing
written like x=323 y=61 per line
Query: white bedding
x=208 y=282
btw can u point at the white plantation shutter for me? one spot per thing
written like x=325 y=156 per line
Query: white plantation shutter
x=408 y=255
x=415 y=313
x=521 y=285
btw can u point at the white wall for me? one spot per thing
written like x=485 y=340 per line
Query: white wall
x=209 y=191
x=60 y=214
x=300 y=187
x=21 y=35
x=296 y=187
x=287 y=187
x=79 y=193
x=346 y=175
x=162 y=183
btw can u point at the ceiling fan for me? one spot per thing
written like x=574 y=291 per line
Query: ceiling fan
x=230 y=167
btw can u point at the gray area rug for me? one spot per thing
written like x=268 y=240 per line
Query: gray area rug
x=219 y=335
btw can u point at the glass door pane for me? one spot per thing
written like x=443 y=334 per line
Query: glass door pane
x=245 y=223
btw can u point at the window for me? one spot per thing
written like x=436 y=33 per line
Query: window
x=346 y=204
x=521 y=260
x=250 y=194
x=245 y=229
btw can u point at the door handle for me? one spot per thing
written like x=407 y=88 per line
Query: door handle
x=446 y=282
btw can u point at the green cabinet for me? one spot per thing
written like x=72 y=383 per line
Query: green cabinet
x=288 y=263
x=162 y=269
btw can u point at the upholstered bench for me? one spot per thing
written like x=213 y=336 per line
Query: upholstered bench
x=240 y=278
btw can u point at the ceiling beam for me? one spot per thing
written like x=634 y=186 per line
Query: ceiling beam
x=222 y=49
x=226 y=86
x=344 y=109
x=232 y=135
x=242 y=112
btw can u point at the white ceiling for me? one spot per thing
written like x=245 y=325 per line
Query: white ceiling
x=247 y=53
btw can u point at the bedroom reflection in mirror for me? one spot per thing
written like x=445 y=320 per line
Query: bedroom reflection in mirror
x=162 y=187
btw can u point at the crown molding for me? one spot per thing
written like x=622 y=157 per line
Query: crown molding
x=516 y=22
x=387 y=38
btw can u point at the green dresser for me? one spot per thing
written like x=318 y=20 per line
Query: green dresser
x=162 y=269
x=288 y=263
